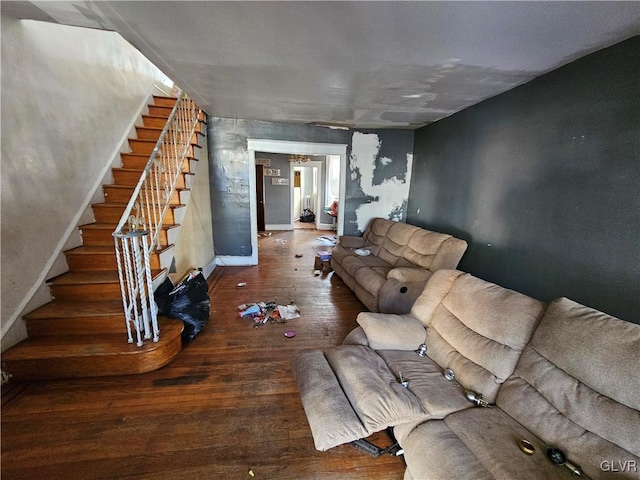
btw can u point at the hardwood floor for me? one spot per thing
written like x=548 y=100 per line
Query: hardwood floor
x=225 y=406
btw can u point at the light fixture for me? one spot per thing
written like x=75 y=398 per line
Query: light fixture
x=299 y=158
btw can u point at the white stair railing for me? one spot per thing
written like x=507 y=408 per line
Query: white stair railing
x=137 y=233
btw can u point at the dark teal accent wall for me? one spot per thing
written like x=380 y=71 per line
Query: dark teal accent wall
x=544 y=183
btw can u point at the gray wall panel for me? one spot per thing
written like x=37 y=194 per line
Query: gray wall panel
x=230 y=169
x=543 y=183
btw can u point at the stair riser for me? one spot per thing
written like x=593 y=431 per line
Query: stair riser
x=104 y=237
x=113 y=215
x=145 y=147
x=141 y=147
x=96 y=365
x=97 y=237
x=131 y=162
x=122 y=195
x=97 y=291
x=164 y=101
x=131 y=179
x=144 y=134
x=153 y=122
x=99 y=261
x=77 y=326
x=158 y=111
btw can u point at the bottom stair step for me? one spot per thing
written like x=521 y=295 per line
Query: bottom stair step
x=72 y=356
x=77 y=317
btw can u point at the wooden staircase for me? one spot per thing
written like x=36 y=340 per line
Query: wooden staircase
x=82 y=332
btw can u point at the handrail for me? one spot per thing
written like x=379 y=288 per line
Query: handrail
x=137 y=232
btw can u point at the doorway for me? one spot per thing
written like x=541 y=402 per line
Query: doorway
x=290 y=148
x=306 y=195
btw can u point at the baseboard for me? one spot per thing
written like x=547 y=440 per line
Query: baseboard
x=279 y=226
x=233 y=261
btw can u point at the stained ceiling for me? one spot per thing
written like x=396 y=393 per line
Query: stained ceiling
x=356 y=64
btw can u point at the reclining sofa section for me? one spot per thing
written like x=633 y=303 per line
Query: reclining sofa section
x=561 y=375
x=397 y=255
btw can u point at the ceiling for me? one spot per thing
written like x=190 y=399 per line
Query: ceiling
x=353 y=64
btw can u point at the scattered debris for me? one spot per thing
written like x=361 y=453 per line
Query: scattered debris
x=331 y=239
x=280 y=240
x=242 y=284
x=289 y=334
x=289 y=312
x=268 y=312
x=299 y=255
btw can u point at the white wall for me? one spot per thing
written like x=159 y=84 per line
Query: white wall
x=194 y=247
x=68 y=97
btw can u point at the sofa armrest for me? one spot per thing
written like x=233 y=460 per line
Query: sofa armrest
x=409 y=274
x=347 y=241
x=392 y=332
x=449 y=254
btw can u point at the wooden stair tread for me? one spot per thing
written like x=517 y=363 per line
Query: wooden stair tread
x=76 y=308
x=92 y=277
x=160 y=117
x=61 y=346
x=122 y=206
x=107 y=250
x=131 y=187
x=112 y=226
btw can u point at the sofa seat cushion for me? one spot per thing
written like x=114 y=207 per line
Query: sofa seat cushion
x=478 y=443
x=439 y=397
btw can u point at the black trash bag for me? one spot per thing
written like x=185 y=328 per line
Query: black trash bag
x=188 y=301
x=307 y=216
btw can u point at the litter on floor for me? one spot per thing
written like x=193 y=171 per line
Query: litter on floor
x=263 y=313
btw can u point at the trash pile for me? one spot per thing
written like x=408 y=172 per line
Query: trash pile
x=268 y=312
x=187 y=301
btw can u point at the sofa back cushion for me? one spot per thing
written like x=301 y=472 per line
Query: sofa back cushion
x=375 y=233
x=476 y=328
x=404 y=245
x=577 y=383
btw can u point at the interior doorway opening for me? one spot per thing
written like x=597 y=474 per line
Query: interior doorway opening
x=292 y=148
x=307 y=202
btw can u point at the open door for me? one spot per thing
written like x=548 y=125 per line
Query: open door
x=260 y=197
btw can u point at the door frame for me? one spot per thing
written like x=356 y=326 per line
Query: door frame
x=291 y=148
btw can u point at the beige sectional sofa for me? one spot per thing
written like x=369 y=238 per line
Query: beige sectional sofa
x=561 y=375
x=399 y=259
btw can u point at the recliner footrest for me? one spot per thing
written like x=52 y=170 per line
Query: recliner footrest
x=330 y=415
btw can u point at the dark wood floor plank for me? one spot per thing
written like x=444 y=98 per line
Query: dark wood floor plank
x=226 y=405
